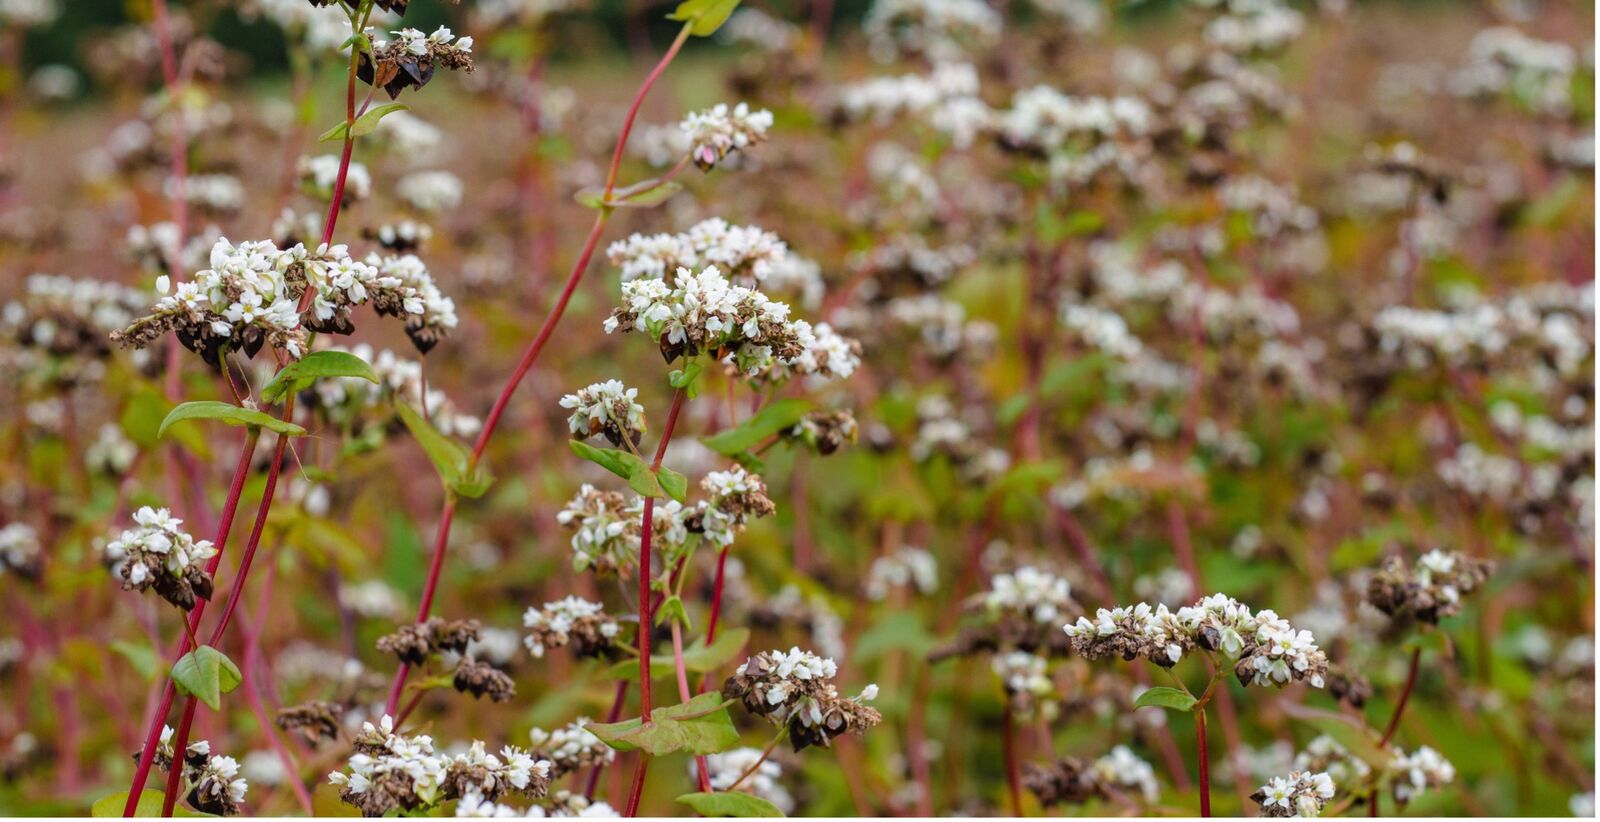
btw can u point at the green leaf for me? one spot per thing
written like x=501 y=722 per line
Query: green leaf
x=686 y=377
x=698 y=658
x=733 y=803
x=298 y=376
x=365 y=124
x=142 y=657
x=449 y=457
x=779 y=416
x=1163 y=697
x=645 y=194
x=672 y=610
x=699 y=726
x=230 y=414
x=206 y=673
x=673 y=483
x=624 y=464
x=704 y=16
x=150 y=801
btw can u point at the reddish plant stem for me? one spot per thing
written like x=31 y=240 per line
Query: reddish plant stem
x=716 y=597
x=180 y=740
x=1204 y=761
x=1394 y=718
x=158 y=719
x=546 y=329
x=1008 y=751
x=611 y=716
x=636 y=790
x=251 y=668
x=702 y=775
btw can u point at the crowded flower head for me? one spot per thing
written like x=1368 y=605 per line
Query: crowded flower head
x=391 y=772
x=157 y=553
x=410 y=59
x=608 y=408
x=796 y=689
x=719 y=131
x=572 y=621
x=1299 y=794
x=1265 y=649
x=703 y=313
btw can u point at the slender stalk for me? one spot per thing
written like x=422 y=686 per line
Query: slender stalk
x=716 y=597
x=1008 y=751
x=529 y=356
x=684 y=695
x=1394 y=718
x=1204 y=761
x=765 y=752
x=636 y=790
x=158 y=719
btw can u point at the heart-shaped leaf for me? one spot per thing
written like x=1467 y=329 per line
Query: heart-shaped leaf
x=673 y=483
x=299 y=375
x=706 y=15
x=230 y=414
x=206 y=673
x=624 y=464
x=449 y=457
x=365 y=124
x=734 y=803
x=1162 y=697
x=700 y=726
x=779 y=416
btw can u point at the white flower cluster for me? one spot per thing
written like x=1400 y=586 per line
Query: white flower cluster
x=941 y=30
x=570 y=748
x=19 y=549
x=28 y=13
x=413 y=41
x=566 y=804
x=747 y=254
x=704 y=312
x=881 y=99
x=726 y=768
x=216 y=787
x=1124 y=769
x=734 y=497
x=159 y=553
x=606 y=529
x=796 y=689
x=757 y=28
x=605 y=408
x=430 y=191
x=719 y=131
x=1300 y=794
x=430 y=314
x=1043 y=118
x=1257 y=26
x=554 y=624
x=942 y=326
x=1268 y=651
x=323 y=28
x=905 y=567
x=788 y=670
x=1030 y=593
x=1027 y=683
x=320 y=174
x=825 y=355
x=1502 y=59
x=1325 y=754
x=1422 y=770
x=1105 y=330
x=67 y=315
x=210 y=193
x=394 y=772
x=408 y=136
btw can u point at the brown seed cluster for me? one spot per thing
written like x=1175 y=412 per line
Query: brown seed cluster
x=395 y=67
x=414 y=644
x=796 y=689
x=1429 y=591
x=317 y=722
x=1066 y=780
x=482 y=679
x=825 y=431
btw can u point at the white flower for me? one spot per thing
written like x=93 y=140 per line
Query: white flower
x=718 y=132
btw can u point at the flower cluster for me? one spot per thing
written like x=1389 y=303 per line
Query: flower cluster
x=157 y=553
x=796 y=689
x=718 y=131
x=65 y=317
x=431 y=191
x=1266 y=650
x=1044 y=119
x=1324 y=754
x=748 y=254
x=1029 y=594
x=605 y=531
x=409 y=60
x=572 y=621
x=1421 y=770
x=213 y=780
x=415 y=643
x=19 y=550
x=735 y=497
x=570 y=749
x=1027 y=684
x=1429 y=591
x=905 y=567
x=318 y=175
x=1300 y=794
x=825 y=431
x=941 y=30
x=1071 y=780
x=705 y=313
x=390 y=772
x=607 y=408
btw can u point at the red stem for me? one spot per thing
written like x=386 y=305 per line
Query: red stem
x=1008 y=751
x=1205 y=762
x=685 y=696
x=1394 y=719
x=716 y=598
x=638 y=100
x=611 y=716
x=158 y=719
